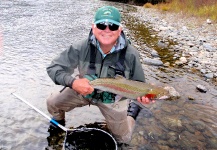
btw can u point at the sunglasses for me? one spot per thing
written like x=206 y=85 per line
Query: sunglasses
x=103 y=25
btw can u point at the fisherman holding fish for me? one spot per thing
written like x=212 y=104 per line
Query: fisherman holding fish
x=105 y=53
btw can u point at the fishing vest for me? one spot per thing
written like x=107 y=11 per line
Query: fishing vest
x=105 y=97
x=119 y=66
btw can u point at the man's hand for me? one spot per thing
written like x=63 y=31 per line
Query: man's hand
x=82 y=86
x=145 y=100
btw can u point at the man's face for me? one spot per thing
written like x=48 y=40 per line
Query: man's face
x=106 y=36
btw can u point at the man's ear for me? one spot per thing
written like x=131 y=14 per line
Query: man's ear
x=120 y=29
x=93 y=25
x=93 y=28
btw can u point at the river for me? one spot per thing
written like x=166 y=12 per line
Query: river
x=33 y=32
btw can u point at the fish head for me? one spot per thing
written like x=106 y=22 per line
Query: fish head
x=157 y=93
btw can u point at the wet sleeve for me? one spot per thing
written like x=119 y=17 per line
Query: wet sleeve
x=62 y=67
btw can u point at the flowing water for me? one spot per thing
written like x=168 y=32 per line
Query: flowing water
x=33 y=32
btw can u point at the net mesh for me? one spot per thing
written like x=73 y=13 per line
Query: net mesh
x=89 y=138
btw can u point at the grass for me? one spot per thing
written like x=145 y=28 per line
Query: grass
x=148 y=5
x=199 y=8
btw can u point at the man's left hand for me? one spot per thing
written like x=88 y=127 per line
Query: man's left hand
x=145 y=100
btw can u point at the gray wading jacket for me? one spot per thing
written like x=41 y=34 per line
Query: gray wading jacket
x=77 y=55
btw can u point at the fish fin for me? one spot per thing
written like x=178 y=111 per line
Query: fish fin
x=150 y=96
x=119 y=77
x=118 y=98
x=99 y=91
x=163 y=97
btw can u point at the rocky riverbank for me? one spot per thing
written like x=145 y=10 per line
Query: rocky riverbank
x=196 y=48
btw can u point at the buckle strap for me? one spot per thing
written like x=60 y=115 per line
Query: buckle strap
x=92 y=67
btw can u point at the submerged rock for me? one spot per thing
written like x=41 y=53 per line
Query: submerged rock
x=191 y=98
x=201 y=88
x=172 y=122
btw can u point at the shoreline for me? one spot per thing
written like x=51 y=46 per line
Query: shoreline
x=196 y=47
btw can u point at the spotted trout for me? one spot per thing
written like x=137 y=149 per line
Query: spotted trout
x=129 y=88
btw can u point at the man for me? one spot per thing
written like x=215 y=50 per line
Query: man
x=105 y=53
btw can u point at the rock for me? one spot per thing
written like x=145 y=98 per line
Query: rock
x=190 y=128
x=190 y=44
x=172 y=136
x=208 y=47
x=199 y=125
x=141 y=132
x=172 y=93
x=201 y=88
x=162 y=28
x=164 y=147
x=183 y=60
x=184 y=28
x=194 y=49
x=172 y=122
x=189 y=141
x=154 y=62
x=212 y=143
x=191 y=98
x=202 y=39
x=176 y=55
x=162 y=44
x=209 y=75
x=208 y=21
x=212 y=68
x=167 y=64
x=154 y=53
x=203 y=71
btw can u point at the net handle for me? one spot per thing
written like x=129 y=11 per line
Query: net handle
x=40 y=112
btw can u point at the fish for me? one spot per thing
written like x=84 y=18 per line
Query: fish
x=129 y=88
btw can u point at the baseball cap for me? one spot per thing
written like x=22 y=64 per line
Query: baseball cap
x=107 y=14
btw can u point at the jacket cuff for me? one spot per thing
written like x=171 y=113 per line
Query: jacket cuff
x=69 y=81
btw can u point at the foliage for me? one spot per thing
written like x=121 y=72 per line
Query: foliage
x=141 y=1
x=148 y=5
x=201 y=8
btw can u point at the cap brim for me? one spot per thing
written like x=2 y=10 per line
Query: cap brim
x=107 y=20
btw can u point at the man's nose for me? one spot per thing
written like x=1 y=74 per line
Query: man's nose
x=107 y=28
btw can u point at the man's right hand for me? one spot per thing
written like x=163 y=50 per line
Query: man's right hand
x=82 y=86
